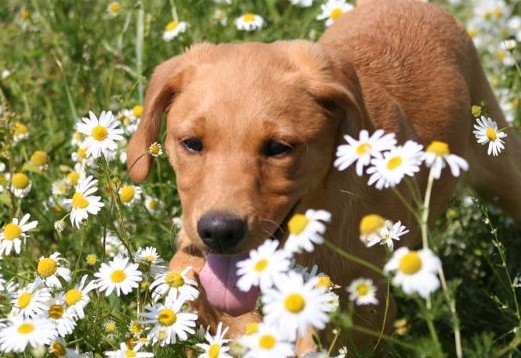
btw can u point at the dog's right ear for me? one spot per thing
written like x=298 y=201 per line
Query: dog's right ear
x=166 y=82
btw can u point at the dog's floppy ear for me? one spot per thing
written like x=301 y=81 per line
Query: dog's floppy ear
x=333 y=83
x=166 y=81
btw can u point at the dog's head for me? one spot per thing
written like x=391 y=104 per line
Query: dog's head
x=251 y=129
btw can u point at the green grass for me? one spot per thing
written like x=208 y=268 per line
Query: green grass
x=70 y=57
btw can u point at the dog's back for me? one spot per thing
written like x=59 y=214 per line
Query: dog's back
x=420 y=74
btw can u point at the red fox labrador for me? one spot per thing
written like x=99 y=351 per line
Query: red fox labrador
x=252 y=131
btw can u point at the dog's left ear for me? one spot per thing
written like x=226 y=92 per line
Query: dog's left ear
x=333 y=83
x=165 y=83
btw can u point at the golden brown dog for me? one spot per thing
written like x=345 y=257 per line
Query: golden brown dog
x=252 y=131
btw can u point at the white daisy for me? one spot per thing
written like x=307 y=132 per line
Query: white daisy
x=155 y=149
x=171 y=324
x=174 y=284
x=263 y=267
x=64 y=320
x=363 y=149
x=129 y=194
x=101 y=134
x=113 y=245
x=306 y=230
x=29 y=301
x=20 y=185
x=118 y=275
x=387 y=234
x=114 y=8
x=13 y=233
x=74 y=177
x=57 y=347
x=50 y=268
x=249 y=22
x=332 y=10
x=20 y=132
x=152 y=204
x=362 y=291
x=215 y=346
x=302 y=3
x=83 y=202
x=21 y=332
x=437 y=156
x=78 y=297
x=486 y=131
x=293 y=305
x=60 y=187
x=266 y=342
x=148 y=254
x=173 y=29
x=40 y=159
x=415 y=271
x=398 y=162
x=126 y=351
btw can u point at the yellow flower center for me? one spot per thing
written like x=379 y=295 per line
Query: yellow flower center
x=114 y=8
x=47 y=267
x=20 y=181
x=324 y=281
x=127 y=193
x=149 y=258
x=25 y=328
x=25 y=15
x=91 y=259
x=129 y=353
x=487 y=15
x=261 y=265
x=441 y=149
x=213 y=352
x=252 y=328
x=335 y=13
x=371 y=223
x=294 y=303
x=39 y=158
x=79 y=201
x=491 y=134
x=410 y=263
x=297 y=224
x=472 y=33
x=476 y=111
x=20 y=129
x=24 y=300
x=172 y=25
x=73 y=178
x=498 y=12
x=362 y=289
x=118 y=276
x=99 y=133
x=363 y=148
x=12 y=231
x=154 y=149
x=136 y=328
x=248 y=17
x=57 y=349
x=137 y=111
x=3 y=180
x=72 y=297
x=394 y=163
x=267 y=341
x=56 y=311
x=174 y=279
x=166 y=317
x=152 y=204
x=110 y=327
x=82 y=153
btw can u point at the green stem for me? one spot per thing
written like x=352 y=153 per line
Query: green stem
x=384 y=336
x=452 y=307
x=406 y=204
x=424 y=223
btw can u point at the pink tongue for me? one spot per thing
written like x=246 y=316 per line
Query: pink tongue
x=219 y=279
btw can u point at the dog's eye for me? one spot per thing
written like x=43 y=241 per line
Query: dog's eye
x=193 y=145
x=276 y=149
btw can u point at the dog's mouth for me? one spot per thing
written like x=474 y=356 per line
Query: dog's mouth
x=219 y=277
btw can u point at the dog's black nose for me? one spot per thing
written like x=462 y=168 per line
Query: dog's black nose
x=221 y=232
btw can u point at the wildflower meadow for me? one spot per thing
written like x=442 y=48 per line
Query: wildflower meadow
x=84 y=251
